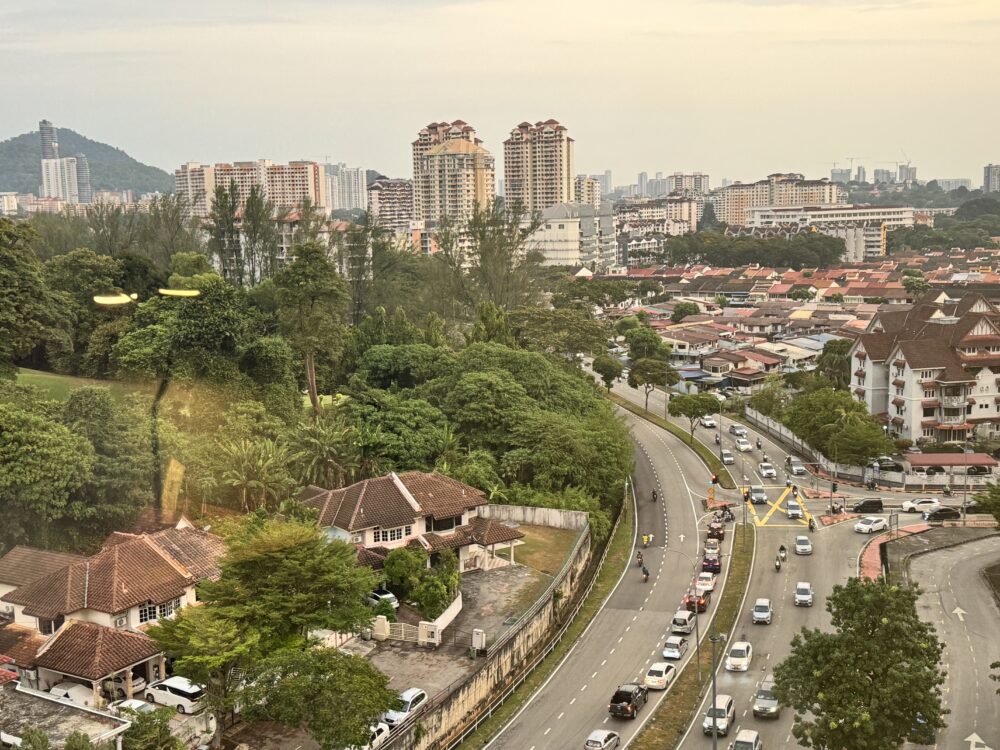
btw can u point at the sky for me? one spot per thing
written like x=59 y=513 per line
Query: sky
x=735 y=88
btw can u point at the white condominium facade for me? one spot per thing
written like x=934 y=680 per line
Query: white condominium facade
x=346 y=187
x=390 y=203
x=991 y=178
x=451 y=179
x=678 y=208
x=575 y=234
x=693 y=183
x=587 y=190
x=732 y=202
x=538 y=166
x=286 y=185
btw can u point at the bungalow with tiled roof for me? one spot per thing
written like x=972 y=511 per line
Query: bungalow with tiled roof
x=413 y=509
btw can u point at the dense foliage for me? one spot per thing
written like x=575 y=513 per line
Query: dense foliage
x=716 y=249
x=975 y=224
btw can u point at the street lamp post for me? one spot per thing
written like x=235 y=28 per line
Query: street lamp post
x=715 y=638
x=965 y=479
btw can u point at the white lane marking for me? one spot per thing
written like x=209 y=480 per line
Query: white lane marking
x=604 y=662
x=560 y=715
x=549 y=729
x=593 y=675
x=583 y=688
x=572 y=701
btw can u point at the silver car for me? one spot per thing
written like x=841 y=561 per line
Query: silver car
x=803 y=545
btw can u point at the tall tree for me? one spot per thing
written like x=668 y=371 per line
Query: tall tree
x=644 y=343
x=310 y=223
x=683 y=309
x=835 y=363
x=608 y=368
x=259 y=470
x=58 y=234
x=649 y=373
x=324 y=451
x=503 y=265
x=114 y=227
x=865 y=685
x=167 y=228
x=150 y=730
x=260 y=237
x=311 y=299
x=560 y=332
x=224 y=233
x=693 y=406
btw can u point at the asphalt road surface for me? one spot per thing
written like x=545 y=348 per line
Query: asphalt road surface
x=961 y=606
x=628 y=634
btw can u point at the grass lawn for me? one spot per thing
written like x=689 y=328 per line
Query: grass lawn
x=619 y=555
x=544 y=548
x=665 y=729
x=59 y=386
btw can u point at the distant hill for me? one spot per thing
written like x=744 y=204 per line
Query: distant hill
x=110 y=167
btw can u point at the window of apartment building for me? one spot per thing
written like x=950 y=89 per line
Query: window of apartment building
x=930 y=411
x=899 y=372
x=392 y=535
x=926 y=374
x=147 y=612
x=984 y=406
x=899 y=390
x=928 y=394
x=443 y=524
x=899 y=410
x=929 y=432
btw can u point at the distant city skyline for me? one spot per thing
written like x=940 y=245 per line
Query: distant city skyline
x=730 y=118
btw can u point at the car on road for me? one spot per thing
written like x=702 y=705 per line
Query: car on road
x=746 y=739
x=762 y=612
x=795 y=466
x=379 y=735
x=868 y=505
x=709 y=422
x=627 y=700
x=683 y=621
x=943 y=513
x=695 y=601
x=739 y=657
x=382 y=595
x=794 y=509
x=803 y=596
x=803 y=545
x=712 y=546
x=758 y=496
x=711 y=564
x=920 y=504
x=410 y=700
x=705 y=581
x=727 y=457
x=888 y=463
x=767 y=471
x=659 y=675
x=675 y=647
x=765 y=705
x=716 y=531
x=720 y=716
x=602 y=739
x=738 y=430
x=871 y=524
x=743 y=445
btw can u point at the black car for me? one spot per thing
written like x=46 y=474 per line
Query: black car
x=711 y=564
x=942 y=514
x=868 y=505
x=627 y=701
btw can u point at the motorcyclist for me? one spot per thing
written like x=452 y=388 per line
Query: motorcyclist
x=645 y=540
x=638 y=559
x=718 y=440
x=777 y=563
x=654 y=496
x=759 y=444
x=947 y=490
x=645 y=573
x=782 y=552
x=812 y=525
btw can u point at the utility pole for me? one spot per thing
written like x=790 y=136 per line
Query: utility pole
x=715 y=638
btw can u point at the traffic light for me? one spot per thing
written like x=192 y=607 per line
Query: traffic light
x=715 y=479
x=833 y=487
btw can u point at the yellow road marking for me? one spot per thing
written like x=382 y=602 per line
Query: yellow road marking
x=776 y=505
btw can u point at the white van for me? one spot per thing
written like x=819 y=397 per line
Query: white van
x=73 y=692
x=178 y=693
x=683 y=621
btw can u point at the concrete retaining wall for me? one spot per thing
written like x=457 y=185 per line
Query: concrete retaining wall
x=560 y=519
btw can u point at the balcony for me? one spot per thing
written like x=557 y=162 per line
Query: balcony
x=953 y=402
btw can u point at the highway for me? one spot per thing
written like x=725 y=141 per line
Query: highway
x=959 y=603
x=628 y=634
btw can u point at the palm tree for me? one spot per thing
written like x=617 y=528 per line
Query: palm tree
x=258 y=469
x=323 y=452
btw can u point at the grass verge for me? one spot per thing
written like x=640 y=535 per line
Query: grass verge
x=60 y=386
x=703 y=451
x=619 y=555
x=665 y=729
x=544 y=548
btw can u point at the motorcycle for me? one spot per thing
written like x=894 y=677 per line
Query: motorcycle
x=654 y=496
x=645 y=575
x=871 y=484
x=718 y=440
x=946 y=491
x=759 y=444
x=777 y=564
x=645 y=540
x=812 y=525
x=638 y=560
x=782 y=552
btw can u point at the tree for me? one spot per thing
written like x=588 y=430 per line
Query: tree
x=988 y=499
x=311 y=298
x=802 y=295
x=285 y=579
x=259 y=470
x=78 y=741
x=485 y=407
x=694 y=406
x=608 y=368
x=260 y=236
x=150 y=730
x=814 y=416
x=835 y=362
x=683 y=309
x=502 y=264
x=333 y=696
x=323 y=451
x=772 y=398
x=211 y=650
x=915 y=285
x=857 y=441
x=560 y=332
x=708 y=221
x=835 y=297
x=403 y=568
x=626 y=324
x=34 y=739
x=644 y=343
x=649 y=373
x=864 y=685
x=114 y=227
x=58 y=234
x=224 y=235
x=167 y=228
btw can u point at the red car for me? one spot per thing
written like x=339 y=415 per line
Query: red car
x=695 y=602
x=716 y=531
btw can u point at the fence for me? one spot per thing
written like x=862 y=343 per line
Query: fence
x=560 y=519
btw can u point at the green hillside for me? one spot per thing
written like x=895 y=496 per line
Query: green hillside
x=110 y=167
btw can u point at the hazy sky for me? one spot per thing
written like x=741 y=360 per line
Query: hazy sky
x=737 y=88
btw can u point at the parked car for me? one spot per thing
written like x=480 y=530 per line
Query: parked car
x=118 y=708
x=927 y=471
x=711 y=564
x=803 y=596
x=803 y=545
x=378 y=736
x=794 y=509
x=758 y=496
x=727 y=457
x=767 y=471
x=762 y=612
x=709 y=422
x=716 y=531
x=739 y=657
x=888 y=463
x=382 y=595
x=178 y=693
x=683 y=621
x=695 y=601
x=871 y=524
x=795 y=466
x=738 y=430
x=675 y=647
x=747 y=739
x=743 y=445
x=410 y=699
x=765 y=705
x=868 y=505
x=602 y=739
x=920 y=504
x=943 y=513
x=913 y=449
x=627 y=700
x=73 y=692
x=659 y=676
x=705 y=581
x=720 y=716
x=116 y=687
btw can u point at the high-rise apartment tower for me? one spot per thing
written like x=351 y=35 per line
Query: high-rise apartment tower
x=538 y=166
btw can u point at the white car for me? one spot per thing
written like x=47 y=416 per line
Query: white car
x=705 y=582
x=871 y=524
x=803 y=594
x=767 y=471
x=803 y=546
x=794 y=509
x=178 y=693
x=712 y=547
x=743 y=445
x=382 y=595
x=602 y=739
x=73 y=692
x=727 y=457
x=118 y=708
x=739 y=657
x=659 y=675
x=921 y=504
x=411 y=699
x=116 y=686
x=675 y=647
x=379 y=736
x=709 y=422
x=762 y=612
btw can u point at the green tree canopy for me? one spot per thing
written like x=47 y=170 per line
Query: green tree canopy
x=649 y=372
x=608 y=368
x=834 y=362
x=150 y=730
x=644 y=343
x=683 y=309
x=693 y=406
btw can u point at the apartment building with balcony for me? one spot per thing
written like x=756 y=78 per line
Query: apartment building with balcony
x=576 y=234
x=538 y=166
x=587 y=190
x=286 y=185
x=733 y=202
x=932 y=370
x=390 y=203
x=693 y=183
x=451 y=179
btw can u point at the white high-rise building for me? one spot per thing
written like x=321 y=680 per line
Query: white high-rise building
x=346 y=187
x=693 y=183
x=538 y=166
x=59 y=179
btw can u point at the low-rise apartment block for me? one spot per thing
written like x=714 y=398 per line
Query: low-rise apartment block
x=286 y=185
x=733 y=202
x=575 y=234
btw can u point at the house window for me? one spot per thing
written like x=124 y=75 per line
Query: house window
x=443 y=524
x=167 y=609
x=147 y=612
x=392 y=535
x=929 y=411
x=929 y=432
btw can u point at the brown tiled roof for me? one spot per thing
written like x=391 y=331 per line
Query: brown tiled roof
x=198 y=551
x=484 y=531
x=371 y=557
x=84 y=649
x=154 y=519
x=440 y=496
x=7 y=676
x=21 y=644
x=25 y=564
x=115 y=579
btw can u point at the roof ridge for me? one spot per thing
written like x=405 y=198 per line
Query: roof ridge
x=178 y=565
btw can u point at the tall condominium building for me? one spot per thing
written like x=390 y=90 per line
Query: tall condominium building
x=574 y=234
x=430 y=137
x=538 y=166
x=991 y=178
x=607 y=184
x=285 y=185
x=693 y=183
x=346 y=187
x=862 y=175
x=390 y=203
x=642 y=181
x=66 y=178
x=83 y=188
x=840 y=175
x=587 y=190
x=907 y=173
x=8 y=204
x=50 y=140
x=884 y=176
x=732 y=202
x=953 y=183
x=450 y=179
